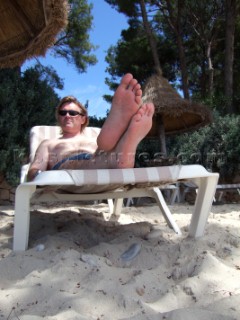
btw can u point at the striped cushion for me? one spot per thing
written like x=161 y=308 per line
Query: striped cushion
x=228 y=186
x=141 y=177
x=100 y=180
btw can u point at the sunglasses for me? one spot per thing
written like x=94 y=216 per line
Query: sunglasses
x=72 y=113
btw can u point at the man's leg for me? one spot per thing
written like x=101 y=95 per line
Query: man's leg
x=126 y=101
x=139 y=127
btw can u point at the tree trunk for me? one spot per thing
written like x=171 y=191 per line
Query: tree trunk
x=229 y=53
x=150 y=37
x=210 y=69
x=175 y=24
x=158 y=69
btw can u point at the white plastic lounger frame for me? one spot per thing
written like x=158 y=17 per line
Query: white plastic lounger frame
x=137 y=182
x=221 y=188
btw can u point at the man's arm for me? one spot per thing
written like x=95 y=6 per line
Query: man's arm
x=40 y=162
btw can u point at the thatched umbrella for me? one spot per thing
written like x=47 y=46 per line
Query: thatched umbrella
x=173 y=114
x=28 y=28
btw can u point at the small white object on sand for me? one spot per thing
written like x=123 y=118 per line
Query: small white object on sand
x=131 y=252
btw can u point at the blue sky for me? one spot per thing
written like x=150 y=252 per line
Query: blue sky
x=107 y=26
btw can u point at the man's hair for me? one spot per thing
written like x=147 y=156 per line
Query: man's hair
x=69 y=99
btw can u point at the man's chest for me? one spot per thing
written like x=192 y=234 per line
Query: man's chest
x=65 y=147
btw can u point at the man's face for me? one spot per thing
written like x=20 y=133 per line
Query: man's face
x=71 y=122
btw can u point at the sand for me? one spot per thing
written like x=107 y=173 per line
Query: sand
x=83 y=265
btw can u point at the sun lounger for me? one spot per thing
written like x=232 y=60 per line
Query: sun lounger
x=65 y=185
x=221 y=188
x=170 y=192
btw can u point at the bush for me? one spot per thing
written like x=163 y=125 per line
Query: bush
x=216 y=147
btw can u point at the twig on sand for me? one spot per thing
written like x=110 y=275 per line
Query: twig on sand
x=13 y=309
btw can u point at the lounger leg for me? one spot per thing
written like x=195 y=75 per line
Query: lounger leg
x=165 y=210
x=22 y=216
x=118 y=203
x=110 y=205
x=203 y=204
x=174 y=196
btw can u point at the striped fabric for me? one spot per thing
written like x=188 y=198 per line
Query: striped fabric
x=102 y=180
x=191 y=185
x=228 y=186
x=137 y=177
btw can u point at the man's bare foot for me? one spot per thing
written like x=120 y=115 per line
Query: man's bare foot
x=125 y=104
x=139 y=127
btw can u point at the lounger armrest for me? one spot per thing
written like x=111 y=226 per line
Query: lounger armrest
x=24 y=172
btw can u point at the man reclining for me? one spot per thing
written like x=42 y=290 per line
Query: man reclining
x=127 y=124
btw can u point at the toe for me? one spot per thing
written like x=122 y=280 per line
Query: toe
x=126 y=80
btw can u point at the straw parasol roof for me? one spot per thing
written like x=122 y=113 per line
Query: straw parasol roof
x=28 y=28
x=176 y=114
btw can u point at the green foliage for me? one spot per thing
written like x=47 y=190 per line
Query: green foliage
x=128 y=7
x=201 y=26
x=132 y=54
x=96 y=122
x=73 y=43
x=216 y=147
x=25 y=100
x=147 y=150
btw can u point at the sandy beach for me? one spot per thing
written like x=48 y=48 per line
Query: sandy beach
x=83 y=265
